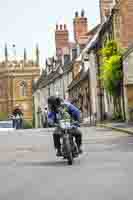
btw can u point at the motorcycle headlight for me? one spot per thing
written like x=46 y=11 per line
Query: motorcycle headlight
x=65 y=124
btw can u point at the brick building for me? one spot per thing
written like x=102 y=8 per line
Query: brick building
x=119 y=14
x=16 y=79
x=116 y=24
x=122 y=19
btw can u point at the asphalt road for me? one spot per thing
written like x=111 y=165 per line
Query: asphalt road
x=29 y=169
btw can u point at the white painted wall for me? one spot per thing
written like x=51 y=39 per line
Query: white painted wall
x=128 y=79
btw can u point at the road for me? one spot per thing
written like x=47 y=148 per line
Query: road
x=29 y=169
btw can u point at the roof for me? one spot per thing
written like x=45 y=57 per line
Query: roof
x=93 y=40
x=45 y=79
x=83 y=75
x=93 y=30
x=128 y=51
x=68 y=67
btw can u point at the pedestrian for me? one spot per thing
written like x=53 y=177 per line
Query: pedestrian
x=17 y=117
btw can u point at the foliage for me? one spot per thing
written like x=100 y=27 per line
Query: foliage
x=112 y=74
x=3 y=116
x=117 y=116
x=109 y=50
x=111 y=71
x=27 y=124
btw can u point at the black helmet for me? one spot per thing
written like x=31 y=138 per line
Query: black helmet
x=54 y=102
x=51 y=100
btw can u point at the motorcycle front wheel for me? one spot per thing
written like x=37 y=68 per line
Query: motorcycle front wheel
x=68 y=150
x=70 y=159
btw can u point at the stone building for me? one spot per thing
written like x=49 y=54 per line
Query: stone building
x=16 y=80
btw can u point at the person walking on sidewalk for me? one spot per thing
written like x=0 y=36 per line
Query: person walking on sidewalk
x=17 y=117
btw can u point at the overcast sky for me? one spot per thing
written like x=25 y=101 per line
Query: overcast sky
x=27 y=22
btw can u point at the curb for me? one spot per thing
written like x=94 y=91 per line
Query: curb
x=116 y=129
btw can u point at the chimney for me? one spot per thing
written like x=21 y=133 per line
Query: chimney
x=61 y=27
x=25 y=56
x=56 y=26
x=65 y=27
x=76 y=14
x=80 y=26
x=61 y=39
x=82 y=13
x=37 y=55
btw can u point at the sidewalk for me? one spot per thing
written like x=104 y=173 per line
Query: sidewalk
x=119 y=126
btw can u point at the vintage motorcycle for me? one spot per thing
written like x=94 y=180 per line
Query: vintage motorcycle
x=69 y=148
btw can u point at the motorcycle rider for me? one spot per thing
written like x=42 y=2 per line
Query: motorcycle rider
x=54 y=104
x=17 y=114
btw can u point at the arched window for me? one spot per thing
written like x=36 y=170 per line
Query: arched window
x=23 y=88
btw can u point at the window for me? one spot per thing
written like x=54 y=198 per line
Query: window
x=66 y=59
x=74 y=53
x=23 y=88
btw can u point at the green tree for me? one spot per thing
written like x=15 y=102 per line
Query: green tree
x=111 y=73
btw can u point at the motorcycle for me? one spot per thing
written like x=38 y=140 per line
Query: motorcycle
x=69 y=148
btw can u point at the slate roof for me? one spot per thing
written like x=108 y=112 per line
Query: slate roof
x=45 y=79
x=128 y=51
x=93 y=30
x=83 y=76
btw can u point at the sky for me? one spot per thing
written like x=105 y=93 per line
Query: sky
x=27 y=22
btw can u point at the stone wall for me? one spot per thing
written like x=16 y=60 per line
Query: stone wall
x=11 y=90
